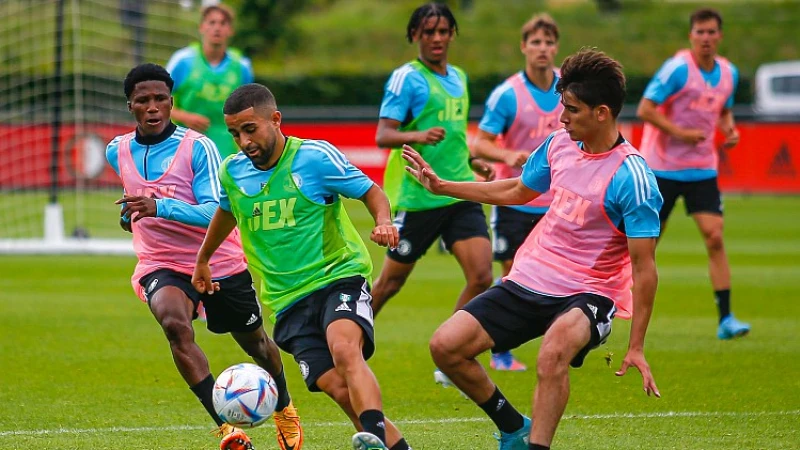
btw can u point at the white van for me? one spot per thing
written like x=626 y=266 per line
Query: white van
x=778 y=88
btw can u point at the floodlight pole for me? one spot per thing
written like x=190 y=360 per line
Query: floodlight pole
x=55 y=126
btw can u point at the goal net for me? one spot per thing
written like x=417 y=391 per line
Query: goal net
x=62 y=63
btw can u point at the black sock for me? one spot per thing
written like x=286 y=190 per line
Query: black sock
x=203 y=390
x=372 y=422
x=507 y=419
x=723 y=299
x=283 y=391
x=401 y=445
x=533 y=446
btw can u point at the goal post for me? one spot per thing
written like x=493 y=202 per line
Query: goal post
x=62 y=63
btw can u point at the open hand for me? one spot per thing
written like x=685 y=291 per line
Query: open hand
x=636 y=359
x=201 y=279
x=421 y=170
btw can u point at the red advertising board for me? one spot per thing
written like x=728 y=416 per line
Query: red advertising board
x=767 y=159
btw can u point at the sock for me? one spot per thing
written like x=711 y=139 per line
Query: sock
x=203 y=390
x=723 y=299
x=533 y=446
x=507 y=419
x=283 y=391
x=372 y=421
x=401 y=445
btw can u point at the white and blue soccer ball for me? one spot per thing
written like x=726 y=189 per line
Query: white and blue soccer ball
x=245 y=395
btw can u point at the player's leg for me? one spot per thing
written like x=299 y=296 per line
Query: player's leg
x=235 y=309
x=494 y=319
x=417 y=231
x=704 y=204
x=333 y=384
x=670 y=191
x=584 y=324
x=466 y=235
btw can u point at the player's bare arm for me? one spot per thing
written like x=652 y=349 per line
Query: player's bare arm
x=389 y=136
x=220 y=227
x=645 y=282
x=727 y=125
x=648 y=111
x=485 y=147
x=510 y=191
x=197 y=122
x=385 y=233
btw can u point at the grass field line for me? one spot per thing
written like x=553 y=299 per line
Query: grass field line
x=654 y=415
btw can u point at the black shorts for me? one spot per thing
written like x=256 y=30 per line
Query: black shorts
x=512 y=316
x=419 y=229
x=700 y=196
x=234 y=307
x=300 y=329
x=510 y=228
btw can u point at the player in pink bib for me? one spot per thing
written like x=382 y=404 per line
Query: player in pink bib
x=575 y=271
x=689 y=97
x=524 y=110
x=171 y=182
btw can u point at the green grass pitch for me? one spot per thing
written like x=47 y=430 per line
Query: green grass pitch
x=84 y=365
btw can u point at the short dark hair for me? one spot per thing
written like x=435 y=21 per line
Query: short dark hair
x=595 y=78
x=538 y=22
x=146 y=72
x=427 y=11
x=253 y=95
x=703 y=14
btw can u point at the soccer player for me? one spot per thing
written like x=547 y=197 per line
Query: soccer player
x=574 y=272
x=425 y=105
x=524 y=109
x=285 y=194
x=205 y=74
x=170 y=177
x=690 y=96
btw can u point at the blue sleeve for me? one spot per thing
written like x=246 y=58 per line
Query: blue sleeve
x=179 y=65
x=399 y=92
x=735 y=75
x=536 y=171
x=224 y=201
x=247 y=71
x=500 y=111
x=633 y=197
x=669 y=79
x=338 y=176
x=205 y=185
x=112 y=154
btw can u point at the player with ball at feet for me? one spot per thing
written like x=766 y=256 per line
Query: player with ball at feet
x=575 y=270
x=170 y=177
x=285 y=195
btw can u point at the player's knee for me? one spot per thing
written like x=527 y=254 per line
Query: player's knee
x=481 y=281
x=442 y=352
x=346 y=355
x=713 y=239
x=552 y=362
x=178 y=331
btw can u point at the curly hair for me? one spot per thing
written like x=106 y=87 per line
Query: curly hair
x=594 y=78
x=427 y=11
x=146 y=72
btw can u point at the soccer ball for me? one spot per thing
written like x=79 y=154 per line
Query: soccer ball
x=245 y=395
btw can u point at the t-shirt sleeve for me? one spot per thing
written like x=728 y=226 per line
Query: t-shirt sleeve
x=536 y=171
x=500 y=110
x=397 y=94
x=112 y=152
x=735 y=75
x=635 y=194
x=669 y=79
x=339 y=176
x=178 y=66
x=247 y=71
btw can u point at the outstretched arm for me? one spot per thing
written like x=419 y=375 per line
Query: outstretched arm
x=509 y=191
x=221 y=226
x=384 y=234
x=645 y=282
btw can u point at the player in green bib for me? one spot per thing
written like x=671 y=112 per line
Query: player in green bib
x=205 y=74
x=425 y=105
x=284 y=194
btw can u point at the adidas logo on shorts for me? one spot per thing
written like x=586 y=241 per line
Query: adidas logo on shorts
x=252 y=320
